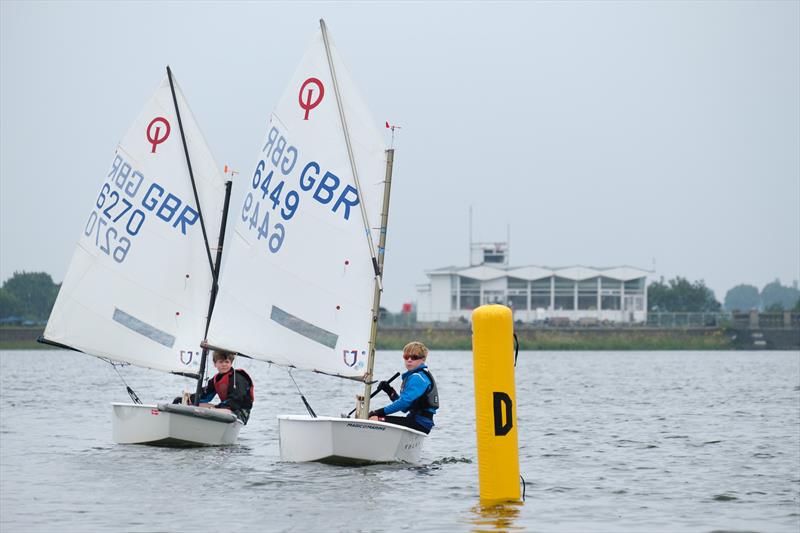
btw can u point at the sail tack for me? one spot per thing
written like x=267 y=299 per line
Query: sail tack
x=138 y=286
x=297 y=283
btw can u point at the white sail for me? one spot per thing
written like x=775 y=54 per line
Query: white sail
x=297 y=283
x=137 y=289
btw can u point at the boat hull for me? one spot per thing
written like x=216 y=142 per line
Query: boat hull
x=347 y=441
x=181 y=427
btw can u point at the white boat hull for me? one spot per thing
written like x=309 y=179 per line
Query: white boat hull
x=347 y=441
x=150 y=424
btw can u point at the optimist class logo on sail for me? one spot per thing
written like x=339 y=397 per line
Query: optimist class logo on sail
x=127 y=196
x=308 y=105
x=154 y=133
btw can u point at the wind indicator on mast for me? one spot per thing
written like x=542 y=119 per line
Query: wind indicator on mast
x=392 y=127
x=228 y=171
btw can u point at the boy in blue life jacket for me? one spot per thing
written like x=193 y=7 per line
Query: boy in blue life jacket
x=418 y=394
x=233 y=386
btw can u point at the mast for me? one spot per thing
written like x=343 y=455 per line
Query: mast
x=214 y=289
x=213 y=267
x=189 y=165
x=376 y=299
x=353 y=167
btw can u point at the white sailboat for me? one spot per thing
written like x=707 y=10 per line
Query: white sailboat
x=301 y=283
x=140 y=285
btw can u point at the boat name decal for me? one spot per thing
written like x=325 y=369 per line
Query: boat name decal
x=365 y=426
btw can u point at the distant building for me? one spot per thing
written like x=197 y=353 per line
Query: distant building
x=576 y=294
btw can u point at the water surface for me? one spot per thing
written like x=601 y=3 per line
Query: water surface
x=633 y=441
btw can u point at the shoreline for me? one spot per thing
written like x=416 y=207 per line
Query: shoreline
x=446 y=337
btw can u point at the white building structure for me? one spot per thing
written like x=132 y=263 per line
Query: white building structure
x=576 y=294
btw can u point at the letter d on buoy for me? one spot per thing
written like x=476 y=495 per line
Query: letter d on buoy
x=495 y=410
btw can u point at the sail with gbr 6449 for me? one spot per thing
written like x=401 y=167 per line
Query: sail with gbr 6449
x=296 y=285
x=301 y=285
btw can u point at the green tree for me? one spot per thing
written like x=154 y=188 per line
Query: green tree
x=9 y=304
x=35 y=292
x=774 y=294
x=742 y=298
x=680 y=295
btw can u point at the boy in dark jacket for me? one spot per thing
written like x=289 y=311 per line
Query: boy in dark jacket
x=233 y=386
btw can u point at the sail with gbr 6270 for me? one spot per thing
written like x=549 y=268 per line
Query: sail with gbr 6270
x=137 y=290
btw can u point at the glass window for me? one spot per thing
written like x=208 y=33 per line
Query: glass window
x=519 y=303
x=517 y=293
x=540 y=293
x=470 y=293
x=470 y=301
x=587 y=294
x=634 y=286
x=610 y=293
x=516 y=283
x=564 y=294
x=610 y=286
x=494 y=297
x=610 y=303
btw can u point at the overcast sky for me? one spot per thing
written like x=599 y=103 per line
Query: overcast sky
x=602 y=134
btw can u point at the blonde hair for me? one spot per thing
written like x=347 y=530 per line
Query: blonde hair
x=415 y=348
x=219 y=355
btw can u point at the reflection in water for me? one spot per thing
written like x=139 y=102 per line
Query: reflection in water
x=496 y=516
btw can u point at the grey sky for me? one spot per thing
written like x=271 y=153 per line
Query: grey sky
x=603 y=133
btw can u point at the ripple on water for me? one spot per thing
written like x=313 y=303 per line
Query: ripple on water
x=59 y=463
x=451 y=460
x=559 y=489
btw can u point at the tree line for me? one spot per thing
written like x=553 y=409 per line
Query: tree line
x=774 y=297
x=29 y=296
x=681 y=295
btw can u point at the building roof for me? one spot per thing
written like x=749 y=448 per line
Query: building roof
x=532 y=272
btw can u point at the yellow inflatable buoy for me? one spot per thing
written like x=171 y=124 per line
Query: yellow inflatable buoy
x=495 y=403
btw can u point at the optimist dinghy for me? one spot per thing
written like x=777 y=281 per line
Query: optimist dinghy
x=302 y=280
x=141 y=285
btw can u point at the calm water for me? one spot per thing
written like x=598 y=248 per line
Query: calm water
x=658 y=441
